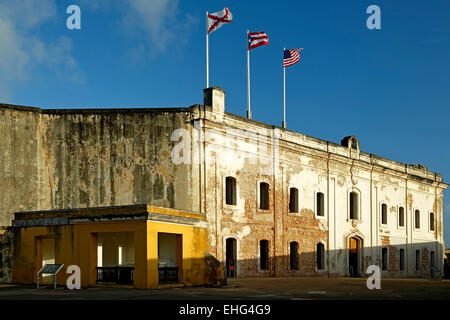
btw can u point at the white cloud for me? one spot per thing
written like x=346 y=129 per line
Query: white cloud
x=13 y=57
x=22 y=50
x=160 y=23
x=27 y=13
x=156 y=18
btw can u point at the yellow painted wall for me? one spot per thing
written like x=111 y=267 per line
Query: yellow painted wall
x=193 y=251
x=77 y=244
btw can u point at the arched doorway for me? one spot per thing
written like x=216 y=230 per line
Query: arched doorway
x=354 y=256
x=231 y=259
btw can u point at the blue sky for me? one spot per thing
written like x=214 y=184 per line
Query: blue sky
x=389 y=87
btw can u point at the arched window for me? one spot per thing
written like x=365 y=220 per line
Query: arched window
x=401 y=217
x=354 y=205
x=294 y=255
x=417 y=219
x=320 y=256
x=431 y=221
x=384 y=213
x=384 y=258
x=402 y=259
x=230 y=190
x=417 y=260
x=264 y=196
x=293 y=200
x=264 y=254
x=320 y=199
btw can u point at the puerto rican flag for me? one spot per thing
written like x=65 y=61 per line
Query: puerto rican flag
x=256 y=39
x=217 y=19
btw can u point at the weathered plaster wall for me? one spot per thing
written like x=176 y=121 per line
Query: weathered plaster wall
x=115 y=158
x=312 y=165
x=56 y=159
x=20 y=184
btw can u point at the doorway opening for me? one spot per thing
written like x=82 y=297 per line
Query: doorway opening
x=354 y=257
x=46 y=255
x=115 y=257
x=231 y=257
x=170 y=256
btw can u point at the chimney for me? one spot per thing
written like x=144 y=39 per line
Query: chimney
x=214 y=97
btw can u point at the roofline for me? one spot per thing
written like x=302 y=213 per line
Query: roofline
x=93 y=110
x=191 y=110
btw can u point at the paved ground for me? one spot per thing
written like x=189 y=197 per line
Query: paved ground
x=267 y=288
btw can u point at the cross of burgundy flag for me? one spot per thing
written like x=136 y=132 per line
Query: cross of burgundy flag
x=291 y=56
x=217 y=19
x=256 y=39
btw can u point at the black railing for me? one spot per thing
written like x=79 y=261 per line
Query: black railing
x=119 y=275
x=168 y=274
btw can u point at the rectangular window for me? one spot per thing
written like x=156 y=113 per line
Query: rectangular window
x=264 y=196
x=264 y=254
x=293 y=200
x=120 y=255
x=354 y=205
x=417 y=260
x=294 y=255
x=402 y=259
x=401 y=217
x=230 y=187
x=432 y=262
x=320 y=204
x=417 y=219
x=431 y=221
x=384 y=259
x=384 y=213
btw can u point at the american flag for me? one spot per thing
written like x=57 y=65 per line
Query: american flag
x=291 y=56
x=256 y=39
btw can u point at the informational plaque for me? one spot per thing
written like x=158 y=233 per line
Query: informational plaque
x=49 y=269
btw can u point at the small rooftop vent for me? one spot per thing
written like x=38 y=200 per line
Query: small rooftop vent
x=350 y=142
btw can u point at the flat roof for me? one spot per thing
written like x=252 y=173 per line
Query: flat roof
x=138 y=212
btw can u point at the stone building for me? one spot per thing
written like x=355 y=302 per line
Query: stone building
x=276 y=202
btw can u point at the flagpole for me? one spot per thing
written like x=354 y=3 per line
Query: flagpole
x=249 y=113
x=207 y=52
x=284 y=93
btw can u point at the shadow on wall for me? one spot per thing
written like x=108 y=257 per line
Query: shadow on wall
x=421 y=260
x=418 y=260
